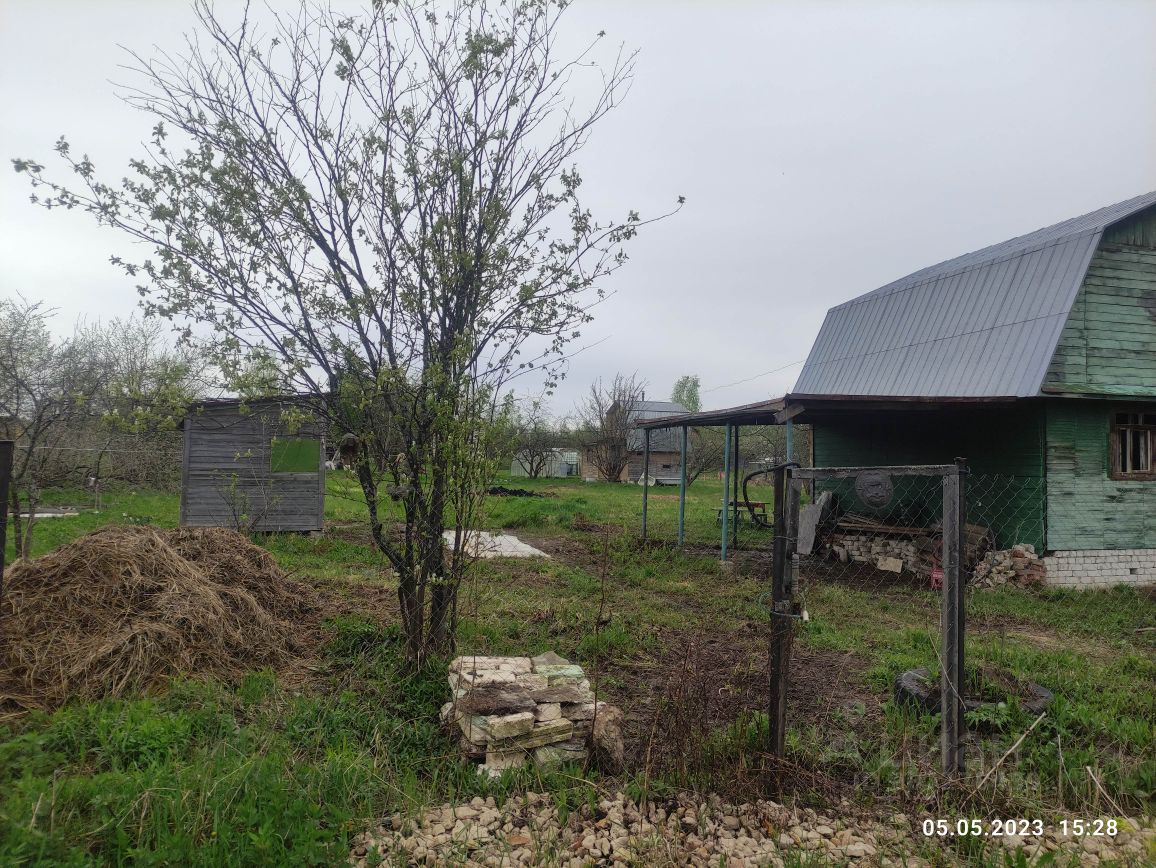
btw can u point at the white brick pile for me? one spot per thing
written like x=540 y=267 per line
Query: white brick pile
x=872 y=548
x=512 y=710
x=1101 y=568
x=1019 y=565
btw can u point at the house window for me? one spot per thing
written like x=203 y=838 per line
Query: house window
x=1133 y=439
x=294 y=455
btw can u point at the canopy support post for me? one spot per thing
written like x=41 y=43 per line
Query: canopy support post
x=682 y=490
x=645 y=477
x=726 y=507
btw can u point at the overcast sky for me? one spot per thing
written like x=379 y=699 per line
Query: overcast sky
x=825 y=148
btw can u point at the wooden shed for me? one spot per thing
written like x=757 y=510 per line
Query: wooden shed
x=254 y=465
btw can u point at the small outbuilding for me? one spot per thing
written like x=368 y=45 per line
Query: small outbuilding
x=665 y=455
x=253 y=465
x=556 y=464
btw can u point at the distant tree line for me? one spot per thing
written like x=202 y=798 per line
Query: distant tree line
x=99 y=405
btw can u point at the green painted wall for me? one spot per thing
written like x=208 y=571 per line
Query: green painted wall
x=1108 y=345
x=1086 y=509
x=1004 y=447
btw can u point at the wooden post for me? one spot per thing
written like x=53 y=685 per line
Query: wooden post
x=6 y=449
x=726 y=507
x=645 y=476
x=682 y=490
x=951 y=646
x=781 y=612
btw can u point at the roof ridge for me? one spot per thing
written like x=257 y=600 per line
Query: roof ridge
x=1093 y=221
x=899 y=284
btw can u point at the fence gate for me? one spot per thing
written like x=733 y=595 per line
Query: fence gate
x=854 y=548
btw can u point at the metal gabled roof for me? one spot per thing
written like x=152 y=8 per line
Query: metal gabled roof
x=984 y=324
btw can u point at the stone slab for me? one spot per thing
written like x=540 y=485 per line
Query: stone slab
x=549 y=659
x=578 y=710
x=532 y=682
x=542 y=734
x=496 y=727
x=563 y=693
x=547 y=711
x=496 y=699
x=559 y=754
x=478 y=663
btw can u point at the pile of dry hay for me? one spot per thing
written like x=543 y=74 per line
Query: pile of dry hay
x=124 y=609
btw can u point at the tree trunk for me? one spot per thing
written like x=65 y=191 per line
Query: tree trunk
x=443 y=590
x=443 y=619
x=408 y=598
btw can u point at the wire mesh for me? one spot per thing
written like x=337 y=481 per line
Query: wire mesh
x=869 y=571
x=1065 y=643
x=1051 y=653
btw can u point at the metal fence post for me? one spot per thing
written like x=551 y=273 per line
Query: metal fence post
x=951 y=625
x=6 y=449
x=781 y=620
x=726 y=507
x=735 y=490
x=682 y=490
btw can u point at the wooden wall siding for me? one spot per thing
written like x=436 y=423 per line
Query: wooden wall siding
x=1004 y=447
x=1087 y=509
x=226 y=470
x=1139 y=230
x=1108 y=345
x=657 y=459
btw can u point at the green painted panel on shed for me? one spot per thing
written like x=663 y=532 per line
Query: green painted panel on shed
x=1108 y=345
x=294 y=455
x=1004 y=447
x=1086 y=508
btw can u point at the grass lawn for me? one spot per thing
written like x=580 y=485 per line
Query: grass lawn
x=265 y=772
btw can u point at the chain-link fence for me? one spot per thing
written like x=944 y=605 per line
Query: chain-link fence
x=1061 y=648
x=1046 y=654
x=865 y=548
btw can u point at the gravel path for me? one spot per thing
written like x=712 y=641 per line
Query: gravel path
x=527 y=830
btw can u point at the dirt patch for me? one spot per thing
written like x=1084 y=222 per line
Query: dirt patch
x=858 y=574
x=125 y=609
x=503 y=491
x=581 y=523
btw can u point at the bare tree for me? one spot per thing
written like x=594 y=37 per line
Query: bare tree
x=536 y=439
x=605 y=426
x=386 y=204
x=704 y=452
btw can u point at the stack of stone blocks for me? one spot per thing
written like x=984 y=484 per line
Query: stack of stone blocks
x=1019 y=565
x=513 y=710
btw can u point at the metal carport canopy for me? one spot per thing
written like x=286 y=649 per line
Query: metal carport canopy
x=795 y=407
x=786 y=410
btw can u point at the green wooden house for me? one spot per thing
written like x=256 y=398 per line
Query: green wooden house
x=1034 y=359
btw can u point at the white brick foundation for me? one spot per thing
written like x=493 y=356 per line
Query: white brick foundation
x=1101 y=568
